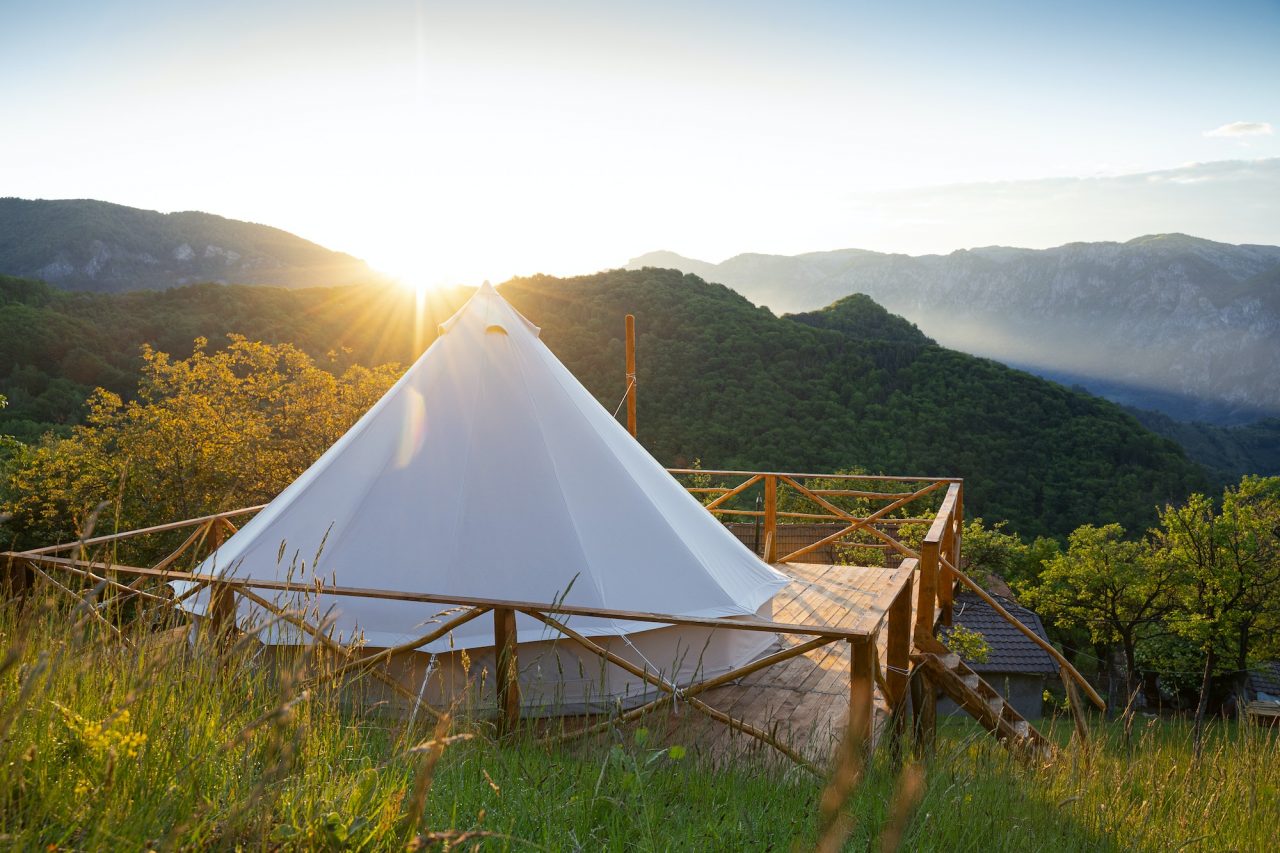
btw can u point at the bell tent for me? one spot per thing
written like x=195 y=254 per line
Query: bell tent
x=489 y=471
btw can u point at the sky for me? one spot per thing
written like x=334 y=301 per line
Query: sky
x=450 y=142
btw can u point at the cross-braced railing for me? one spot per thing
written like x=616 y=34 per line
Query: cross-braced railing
x=106 y=580
x=855 y=505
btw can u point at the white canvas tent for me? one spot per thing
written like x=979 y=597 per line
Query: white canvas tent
x=489 y=471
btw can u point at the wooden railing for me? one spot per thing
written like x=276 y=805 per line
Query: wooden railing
x=938 y=555
x=794 y=498
x=102 y=578
x=883 y=507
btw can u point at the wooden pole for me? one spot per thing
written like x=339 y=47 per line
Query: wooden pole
x=507 y=682
x=18 y=579
x=770 y=519
x=946 y=577
x=898 y=653
x=221 y=614
x=924 y=708
x=861 y=692
x=1073 y=702
x=928 y=594
x=631 y=374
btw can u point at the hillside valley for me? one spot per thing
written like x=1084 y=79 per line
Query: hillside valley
x=1169 y=323
x=720 y=380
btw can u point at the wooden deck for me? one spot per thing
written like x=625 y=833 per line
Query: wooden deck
x=805 y=700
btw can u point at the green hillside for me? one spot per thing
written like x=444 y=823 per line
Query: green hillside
x=719 y=380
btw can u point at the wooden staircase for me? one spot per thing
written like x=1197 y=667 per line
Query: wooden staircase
x=981 y=701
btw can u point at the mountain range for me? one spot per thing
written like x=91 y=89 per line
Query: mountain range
x=80 y=244
x=1170 y=323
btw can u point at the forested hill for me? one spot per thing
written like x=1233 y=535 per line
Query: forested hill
x=719 y=380
x=80 y=244
x=1169 y=322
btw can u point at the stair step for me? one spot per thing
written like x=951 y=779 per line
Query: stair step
x=950 y=661
x=996 y=704
x=971 y=681
x=1021 y=728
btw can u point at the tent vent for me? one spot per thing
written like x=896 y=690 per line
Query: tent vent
x=495 y=328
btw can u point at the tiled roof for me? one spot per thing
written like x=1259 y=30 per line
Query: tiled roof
x=1265 y=678
x=1011 y=650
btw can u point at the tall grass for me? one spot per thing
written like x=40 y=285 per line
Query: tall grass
x=142 y=740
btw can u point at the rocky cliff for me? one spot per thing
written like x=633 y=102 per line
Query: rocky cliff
x=97 y=246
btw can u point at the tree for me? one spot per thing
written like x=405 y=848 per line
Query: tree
x=1231 y=566
x=1108 y=587
x=205 y=434
x=993 y=552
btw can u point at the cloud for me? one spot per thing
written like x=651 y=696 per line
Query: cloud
x=1242 y=128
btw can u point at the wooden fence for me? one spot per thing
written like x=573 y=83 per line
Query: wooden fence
x=935 y=566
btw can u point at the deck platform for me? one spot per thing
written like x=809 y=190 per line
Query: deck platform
x=804 y=701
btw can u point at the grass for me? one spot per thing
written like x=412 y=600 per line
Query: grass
x=139 y=741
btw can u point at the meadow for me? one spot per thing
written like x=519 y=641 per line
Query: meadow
x=116 y=732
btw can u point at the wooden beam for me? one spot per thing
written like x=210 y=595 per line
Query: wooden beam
x=507 y=677
x=726 y=623
x=142 y=531
x=1057 y=656
x=736 y=490
x=386 y=654
x=665 y=686
x=320 y=637
x=700 y=687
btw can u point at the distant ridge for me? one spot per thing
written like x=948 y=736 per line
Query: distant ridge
x=82 y=244
x=1169 y=322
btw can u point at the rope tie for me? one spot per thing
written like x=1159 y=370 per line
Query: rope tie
x=631 y=383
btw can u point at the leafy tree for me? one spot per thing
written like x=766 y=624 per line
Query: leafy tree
x=206 y=433
x=1108 y=587
x=1230 y=560
x=991 y=553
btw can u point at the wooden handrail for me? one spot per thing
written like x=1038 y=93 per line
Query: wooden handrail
x=142 y=531
x=739 y=624
x=1033 y=636
x=861 y=477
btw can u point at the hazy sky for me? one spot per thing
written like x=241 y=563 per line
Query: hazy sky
x=469 y=139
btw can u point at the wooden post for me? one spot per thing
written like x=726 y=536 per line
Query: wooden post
x=506 y=682
x=928 y=592
x=17 y=579
x=631 y=374
x=947 y=578
x=770 y=518
x=898 y=653
x=1073 y=702
x=924 y=711
x=220 y=618
x=861 y=686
